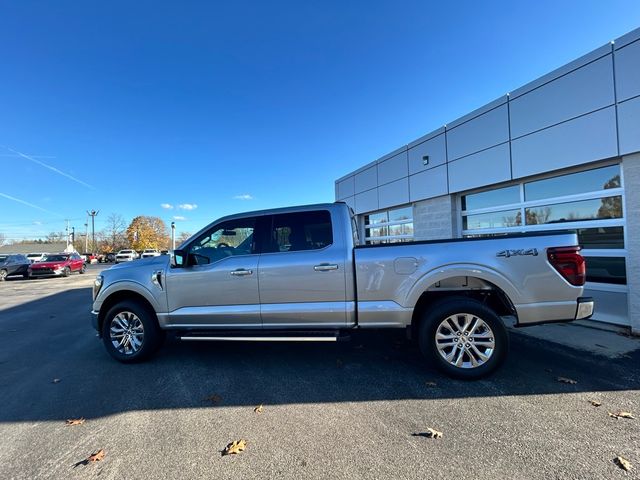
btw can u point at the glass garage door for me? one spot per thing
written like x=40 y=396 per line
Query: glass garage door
x=587 y=201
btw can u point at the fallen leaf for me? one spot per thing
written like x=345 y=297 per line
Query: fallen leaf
x=623 y=463
x=96 y=457
x=359 y=347
x=431 y=384
x=339 y=363
x=259 y=409
x=234 y=447
x=621 y=414
x=55 y=380
x=215 y=398
x=548 y=370
x=74 y=421
x=430 y=433
x=566 y=380
x=595 y=403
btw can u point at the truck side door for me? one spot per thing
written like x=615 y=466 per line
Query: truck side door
x=218 y=285
x=302 y=272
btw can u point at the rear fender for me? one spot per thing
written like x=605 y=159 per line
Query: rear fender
x=460 y=270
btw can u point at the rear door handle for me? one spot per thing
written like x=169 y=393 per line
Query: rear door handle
x=241 y=272
x=325 y=267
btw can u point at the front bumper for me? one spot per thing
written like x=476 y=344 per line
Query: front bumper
x=94 y=320
x=46 y=272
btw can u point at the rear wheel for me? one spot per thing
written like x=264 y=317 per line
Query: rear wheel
x=130 y=332
x=83 y=268
x=463 y=337
x=66 y=272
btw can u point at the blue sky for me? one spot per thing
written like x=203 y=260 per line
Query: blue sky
x=126 y=106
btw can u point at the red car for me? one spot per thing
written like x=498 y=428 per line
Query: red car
x=57 y=264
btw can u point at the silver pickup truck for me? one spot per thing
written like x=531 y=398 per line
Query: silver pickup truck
x=301 y=274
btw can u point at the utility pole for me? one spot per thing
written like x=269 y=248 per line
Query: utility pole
x=67 y=235
x=93 y=214
x=173 y=236
x=86 y=236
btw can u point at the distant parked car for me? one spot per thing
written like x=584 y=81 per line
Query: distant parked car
x=58 y=265
x=110 y=257
x=36 y=257
x=164 y=252
x=16 y=264
x=126 y=256
x=90 y=257
x=150 y=252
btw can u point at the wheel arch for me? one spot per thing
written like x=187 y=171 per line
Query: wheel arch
x=470 y=287
x=120 y=296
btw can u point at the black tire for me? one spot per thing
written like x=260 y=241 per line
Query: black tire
x=3 y=275
x=433 y=319
x=26 y=276
x=66 y=272
x=153 y=335
x=83 y=268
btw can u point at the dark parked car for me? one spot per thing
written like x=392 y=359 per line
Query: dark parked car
x=107 y=258
x=16 y=264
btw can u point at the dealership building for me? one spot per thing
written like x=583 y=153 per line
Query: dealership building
x=562 y=152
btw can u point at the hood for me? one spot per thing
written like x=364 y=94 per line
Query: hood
x=148 y=262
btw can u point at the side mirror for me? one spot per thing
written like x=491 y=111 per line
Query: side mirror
x=178 y=258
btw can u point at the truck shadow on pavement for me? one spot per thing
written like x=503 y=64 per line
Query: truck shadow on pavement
x=52 y=367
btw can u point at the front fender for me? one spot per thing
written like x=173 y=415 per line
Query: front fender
x=131 y=286
x=460 y=270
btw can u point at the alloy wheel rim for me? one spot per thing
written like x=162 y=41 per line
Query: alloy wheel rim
x=465 y=340
x=126 y=333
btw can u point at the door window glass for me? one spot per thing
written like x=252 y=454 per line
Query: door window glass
x=299 y=231
x=231 y=238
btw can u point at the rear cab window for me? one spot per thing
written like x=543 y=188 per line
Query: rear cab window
x=300 y=231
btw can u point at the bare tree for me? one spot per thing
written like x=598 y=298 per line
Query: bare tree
x=114 y=232
x=3 y=239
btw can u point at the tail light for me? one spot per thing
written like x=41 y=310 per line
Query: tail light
x=569 y=263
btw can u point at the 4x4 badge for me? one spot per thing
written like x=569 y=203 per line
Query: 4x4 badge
x=514 y=253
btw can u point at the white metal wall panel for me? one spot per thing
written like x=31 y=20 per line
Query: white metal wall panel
x=351 y=201
x=628 y=71
x=366 y=179
x=366 y=201
x=435 y=148
x=582 y=140
x=482 y=132
x=394 y=193
x=581 y=91
x=345 y=188
x=629 y=126
x=428 y=184
x=393 y=169
x=483 y=168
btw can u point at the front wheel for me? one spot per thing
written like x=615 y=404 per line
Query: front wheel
x=463 y=337
x=3 y=275
x=130 y=332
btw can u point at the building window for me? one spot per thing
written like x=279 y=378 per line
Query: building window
x=389 y=226
x=588 y=202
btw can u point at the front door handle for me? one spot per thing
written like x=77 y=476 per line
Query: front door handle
x=325 y=267
x=241 y=272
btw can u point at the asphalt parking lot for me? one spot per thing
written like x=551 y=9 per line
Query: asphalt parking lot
x=349 y=410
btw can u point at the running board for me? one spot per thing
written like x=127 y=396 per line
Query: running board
x=258 y=339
